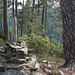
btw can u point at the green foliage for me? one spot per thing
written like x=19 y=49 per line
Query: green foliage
x=2 y=36
x=59 y=50
x=43 y=46
x=1 y=42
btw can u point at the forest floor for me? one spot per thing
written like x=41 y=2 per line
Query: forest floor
x=53 y=68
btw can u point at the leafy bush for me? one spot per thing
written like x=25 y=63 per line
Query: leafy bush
x=59 y=50
x=43 y=46
x=2 y=36
x=38 y=42
x=1 y=42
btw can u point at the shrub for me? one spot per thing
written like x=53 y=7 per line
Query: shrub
x=2 y=36
x=43 y=46
x=1 y=42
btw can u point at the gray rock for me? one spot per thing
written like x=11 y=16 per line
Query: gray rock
x=16 y=72
x=37 y=65
x=62 y=73
x=21 y=53
x=28 y=59
x=14 y=46
x=31 y=50
x=2 y=59
x=73 y=73
x=6 y=55
x=32 y=62
x=2 y=64
x=2 y=69
x=15 y=66
x=23 y=44
x=38 y=73
x=16 y=60
x=2 y=49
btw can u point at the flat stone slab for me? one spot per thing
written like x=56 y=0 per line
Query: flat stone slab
x=2 y=49
x=16 y=72
x=14 y=46
x=15 y=66
x=2 y=59
x=16 y=60
x=24 y=50
x=6 y=55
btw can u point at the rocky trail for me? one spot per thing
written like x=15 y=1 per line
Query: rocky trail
x=17 y=59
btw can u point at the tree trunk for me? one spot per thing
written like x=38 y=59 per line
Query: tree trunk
x=1 y=23
x=22 y=19
x=16 y=14
x=6 y=31
x=45 y=14
x=13 y=7
x=38 y=8
x=33 y=11
x=68 y=11
x=42 y=22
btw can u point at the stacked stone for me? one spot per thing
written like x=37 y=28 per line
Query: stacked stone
x=16 y=56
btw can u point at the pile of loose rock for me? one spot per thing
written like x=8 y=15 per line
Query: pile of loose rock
x=15 y=57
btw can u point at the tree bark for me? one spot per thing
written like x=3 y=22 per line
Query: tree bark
x=13 y=7
x=42 y=22
x=38 y=8
x=6 y=30
x=33 y=10
x=16 y=14
x=22 y=19
x=68 y=13
x=45 y=14
x=1 y=23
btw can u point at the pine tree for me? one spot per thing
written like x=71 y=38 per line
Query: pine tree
x=16 y=14
x=22 y=18
x=68 y=11
x=5 y=14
